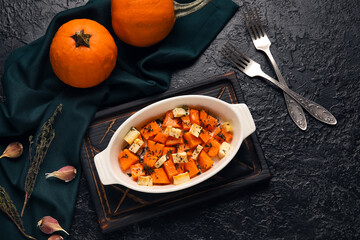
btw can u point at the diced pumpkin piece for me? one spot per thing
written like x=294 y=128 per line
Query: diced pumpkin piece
x=203 y=116
x=151 y=129
x=145 y=181
x=137 y=171
x=186 y=123
x=161 y=137
x=184 y=147
x=181 y=178
x=194 y=116
x=170 y=169
x=170 y=120
x=212 y=147
x=204 y=135
x=169 y=150
x=217 y=131
x=126 y=159
x=205 y=162
x=171 y=141
x=159 y=176
x=149 y=160
x=180 y=167
x=131 y=135
x=210 y=123
x=224 y=149
x=221 y=136
x=155 y=148
x=191 y=168
x=192 y=140
x=189 y=153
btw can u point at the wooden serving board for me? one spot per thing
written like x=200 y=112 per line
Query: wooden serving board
x=117 y=206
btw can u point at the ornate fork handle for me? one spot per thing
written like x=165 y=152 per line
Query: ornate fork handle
x=295 y=111
x=317 y=111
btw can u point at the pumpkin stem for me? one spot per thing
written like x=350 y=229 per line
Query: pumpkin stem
x=183 y=9
x=81 y=38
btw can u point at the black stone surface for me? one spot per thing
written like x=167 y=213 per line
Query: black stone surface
x=314 y=192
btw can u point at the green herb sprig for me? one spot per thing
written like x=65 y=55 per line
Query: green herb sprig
x=8 y=207
x=43 y=141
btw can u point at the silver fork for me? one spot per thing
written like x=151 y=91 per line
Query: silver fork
x=262 y=43
x=252 y=69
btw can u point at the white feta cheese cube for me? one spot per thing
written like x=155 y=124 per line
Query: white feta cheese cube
x=181 y=178
x=180 y=112
x=195 y=130
x=161 y=161
x=224 y=149
x=131 y=135
x=173 y=132
x=179 y=157
x=197 y=152
x=145 y=181
x=227 y=127
x=136 y=145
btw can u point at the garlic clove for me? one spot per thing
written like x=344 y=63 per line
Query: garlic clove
x=55 y=237
x=49 y=225
x=13 y=150
x=66 y=173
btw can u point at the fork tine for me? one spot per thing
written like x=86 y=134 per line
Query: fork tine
x=252 y=27
x=239 y=54
x=255 y=23
x=259 y=22
x=234 y=56
x=253 y=37
x=241 y=68
x=226 y=52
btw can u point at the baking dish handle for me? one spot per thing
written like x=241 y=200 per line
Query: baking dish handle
x=247 y=123
x=103 y=168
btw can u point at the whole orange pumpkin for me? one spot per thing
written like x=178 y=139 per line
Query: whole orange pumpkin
x=143 y=23
x=83 y=53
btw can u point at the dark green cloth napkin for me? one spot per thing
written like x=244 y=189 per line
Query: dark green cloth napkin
x=33 y=92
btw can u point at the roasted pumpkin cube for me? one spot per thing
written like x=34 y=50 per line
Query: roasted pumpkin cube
x=137 y=170
x=126 y=159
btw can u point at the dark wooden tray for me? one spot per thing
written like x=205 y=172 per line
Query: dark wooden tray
x=117 y=206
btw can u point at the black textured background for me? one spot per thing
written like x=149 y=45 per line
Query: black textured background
x=314 y=192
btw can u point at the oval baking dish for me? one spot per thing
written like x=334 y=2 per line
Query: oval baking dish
x=238 y=115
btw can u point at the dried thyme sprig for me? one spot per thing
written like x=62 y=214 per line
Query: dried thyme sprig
x=8 y=207
x=42 y=144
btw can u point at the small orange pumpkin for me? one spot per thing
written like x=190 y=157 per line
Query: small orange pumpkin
x=143 y=23
x=83 y=53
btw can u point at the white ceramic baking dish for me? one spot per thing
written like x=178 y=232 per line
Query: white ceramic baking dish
x=238 y=115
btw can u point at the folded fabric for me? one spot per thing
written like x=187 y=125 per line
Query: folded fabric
x=33 y=92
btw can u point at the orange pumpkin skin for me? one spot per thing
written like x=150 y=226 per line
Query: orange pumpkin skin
x=82 y=66
x=142 y=23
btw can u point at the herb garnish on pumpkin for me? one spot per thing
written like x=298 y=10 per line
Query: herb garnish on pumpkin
x=148 y=170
